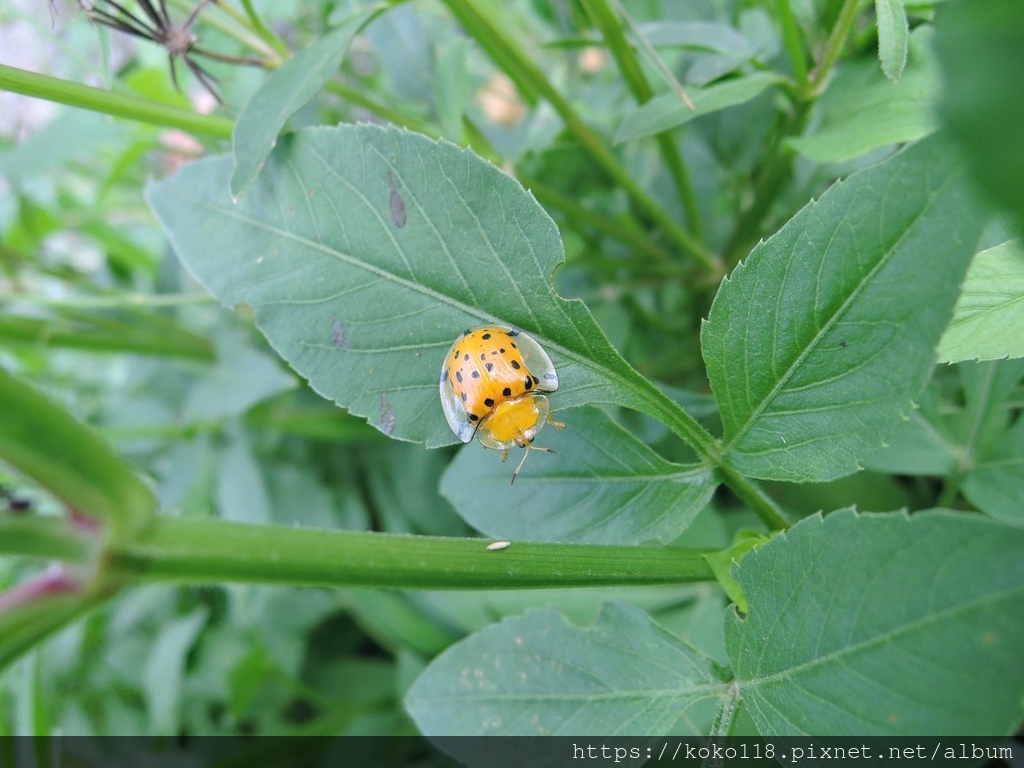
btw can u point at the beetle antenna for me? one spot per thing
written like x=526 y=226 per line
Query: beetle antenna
x=526 y=453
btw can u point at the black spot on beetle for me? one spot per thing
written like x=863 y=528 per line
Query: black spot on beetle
x=473 y=417
x=488 y=401
x=535 y=380
x=475 y=374
x=489 y=367
x=515 y=364
x=396 y=205
x=444 y=374
x=463 y=396
x=507 y=392
x=529 y=383
x=466 y=356
x=502 y=350
x=514 y=345
x=483 y=355
x=486 y=336
x=466 y=332
x=458 y=376
x=514 y=332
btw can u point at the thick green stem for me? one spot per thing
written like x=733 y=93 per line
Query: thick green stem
x=533 y=85
x=110 y=103
x=607 y=22
x=214 y=551
x=44 y=537
x=42 y=441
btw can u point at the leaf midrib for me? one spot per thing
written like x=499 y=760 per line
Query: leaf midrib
x=840 y=312
x=884 y=637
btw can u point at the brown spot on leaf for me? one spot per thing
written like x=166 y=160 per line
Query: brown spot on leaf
x=338 y=336
x=396 y=205
x=385 y=417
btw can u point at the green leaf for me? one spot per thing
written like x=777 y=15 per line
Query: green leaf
x=919 y=446
x=241 y=492
x=536 y=674
x=364 y=252
x=988 y=320
x=669 y=111
x=979 y=47
x=165 y=669
x=43 y=441
x=893 y=37
x=26 y=624
x=451 y=85
x=862 y=111
x=721 y=563
x=995 y=483
x=602 y=487
x=883 y=625
x=818 y=344
x=241 y=378
x=704 y=35
x=284 y=93
x=952 y=433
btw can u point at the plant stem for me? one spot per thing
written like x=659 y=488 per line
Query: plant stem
x=834 y=44
x=602 y=14
x=100 y=337
x=582 y=215
x=214 y=551
x=533 y=85
x=41 y=440
x=257 y=26
x=46 y=537
x=791 y=41
x=381 y=110
x=110 y=103
x=707 y=446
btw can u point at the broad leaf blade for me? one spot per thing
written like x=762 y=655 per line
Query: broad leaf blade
x=884 y=625
x=669 y=111
x=538 y=675
x=284 y=93
x=817 y=345
x=365 y=251
x=988 y=320
x=893 y=37
x=602 y=487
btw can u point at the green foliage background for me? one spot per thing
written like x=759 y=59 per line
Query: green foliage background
x=743 y=299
